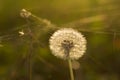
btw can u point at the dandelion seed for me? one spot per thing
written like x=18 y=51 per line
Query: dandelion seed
x=68 y=43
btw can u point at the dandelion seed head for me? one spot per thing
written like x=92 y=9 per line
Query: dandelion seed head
x=67 y=43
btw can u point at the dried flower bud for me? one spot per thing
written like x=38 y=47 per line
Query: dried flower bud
x=67 y=43
x=21 y=33
x=24 y=13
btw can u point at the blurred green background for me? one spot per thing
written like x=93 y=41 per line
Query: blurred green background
x=98 y=20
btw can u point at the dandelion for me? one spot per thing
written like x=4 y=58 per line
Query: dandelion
x=68 y=43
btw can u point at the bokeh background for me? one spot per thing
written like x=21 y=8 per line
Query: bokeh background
x=98 y=20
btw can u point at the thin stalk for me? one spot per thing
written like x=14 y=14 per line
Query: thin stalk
x=29 y=65
x=29 y=68
x=70 y=68
x=29 y=57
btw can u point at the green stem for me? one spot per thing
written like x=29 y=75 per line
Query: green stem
x=29 y=58
x=29 y=65
x=30 y=69
x=70 y=68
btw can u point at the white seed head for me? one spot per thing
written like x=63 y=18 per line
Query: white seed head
x=67 y=43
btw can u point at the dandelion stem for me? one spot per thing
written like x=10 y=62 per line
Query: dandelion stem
x=70 y=68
